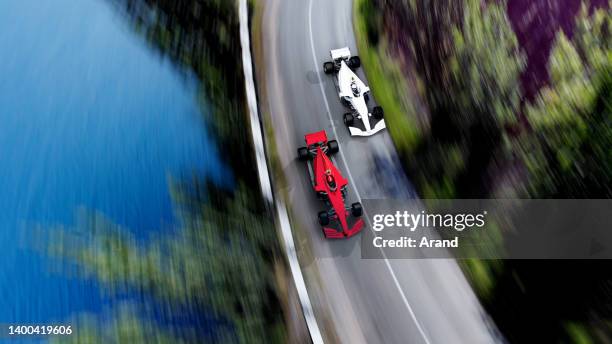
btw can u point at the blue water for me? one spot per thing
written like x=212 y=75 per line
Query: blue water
x=90 y=116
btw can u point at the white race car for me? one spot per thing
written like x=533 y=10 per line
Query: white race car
x=354 y=94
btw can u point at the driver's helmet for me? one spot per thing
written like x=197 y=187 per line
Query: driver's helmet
x=331 y=181
x=355 y=88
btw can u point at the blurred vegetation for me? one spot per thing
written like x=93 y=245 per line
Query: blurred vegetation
x=461 y=66
x=201 y=38
x=484 y=84
x=213 y=278
x=447 y=48
x=214 y=263
x=464 y=61
x=385 y=78
x=569 y=150
x=125 y=327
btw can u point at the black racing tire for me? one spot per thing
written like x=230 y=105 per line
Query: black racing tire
x=328 y=67
x=356 y=209
x=354 y=62
x=323 y=218
x=303 y=154
x=332 y=147
x=348 y=119
x=378 y=112
x=366 y=97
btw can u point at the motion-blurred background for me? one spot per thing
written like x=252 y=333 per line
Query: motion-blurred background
x=505 y=99
x=128 y=194
x=124 y=151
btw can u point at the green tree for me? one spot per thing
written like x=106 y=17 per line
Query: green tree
x=126 y=326
x=201 y=38
x=486 y=66
x=485 y=90
x=473 y=94
x=215 y=262
x=568 y=154
x=424 y=35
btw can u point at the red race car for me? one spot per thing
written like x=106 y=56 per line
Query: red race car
x=331 y=187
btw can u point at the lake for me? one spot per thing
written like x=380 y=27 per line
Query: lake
x=90 y=118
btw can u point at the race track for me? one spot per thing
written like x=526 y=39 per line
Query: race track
x=354 y=300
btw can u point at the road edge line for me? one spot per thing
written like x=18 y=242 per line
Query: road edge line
x=265 y=179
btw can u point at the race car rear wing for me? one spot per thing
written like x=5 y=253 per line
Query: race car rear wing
x=341 y=53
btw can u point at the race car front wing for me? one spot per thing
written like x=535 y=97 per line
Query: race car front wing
x=356 y=131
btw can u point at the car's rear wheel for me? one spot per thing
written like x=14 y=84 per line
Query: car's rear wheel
x=332 y=147
x=356 y=209
x=303 y=154
x=328 y=67
x=323 y=218
x=366 y=97
x=354 y=62
x=378 y=112
x=349 y=119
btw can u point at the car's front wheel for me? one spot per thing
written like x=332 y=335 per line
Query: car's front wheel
x=303 y=154
x=356 y=209
x=354 y=62
x=323 y=218
x=328 y=67
x=333 y=147
x=349 y=119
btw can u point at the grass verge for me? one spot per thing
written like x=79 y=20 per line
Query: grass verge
x=388 y=84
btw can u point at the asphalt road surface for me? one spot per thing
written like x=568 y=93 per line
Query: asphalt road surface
x=354 y=300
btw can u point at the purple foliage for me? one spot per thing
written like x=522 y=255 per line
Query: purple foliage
x=536 y=24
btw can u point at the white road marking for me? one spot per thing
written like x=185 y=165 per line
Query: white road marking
x=260 y=155
x=387 y=263
x=296 y=271
x=265 y=182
